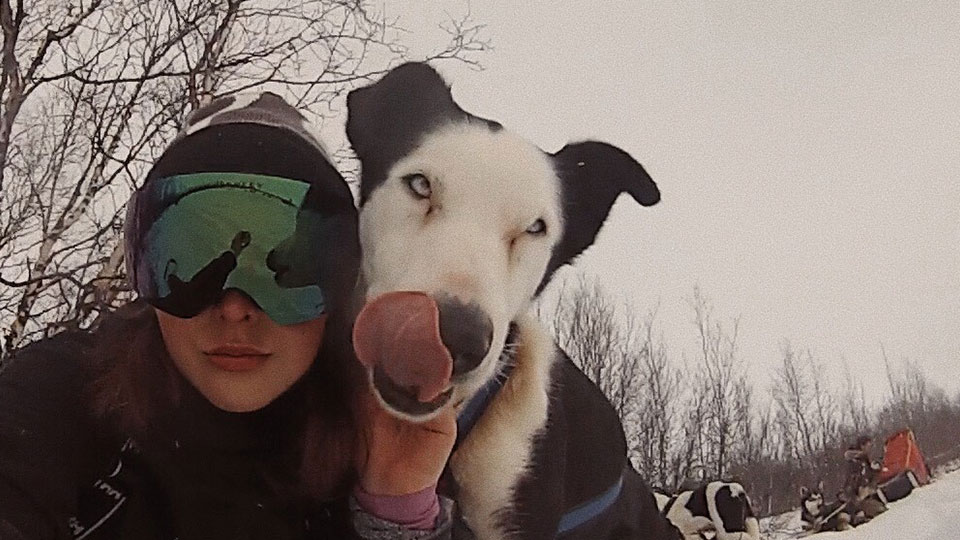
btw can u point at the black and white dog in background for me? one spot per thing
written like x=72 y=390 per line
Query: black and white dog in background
x=719 y=507
x=818 y=515
x=462 y=224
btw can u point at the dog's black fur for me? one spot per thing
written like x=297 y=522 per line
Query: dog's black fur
x=569 y=467
x=581 y=450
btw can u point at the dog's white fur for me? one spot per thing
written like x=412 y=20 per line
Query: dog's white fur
x=692 y=526
x=813 y=503
x=488 y=463
x=469 y=239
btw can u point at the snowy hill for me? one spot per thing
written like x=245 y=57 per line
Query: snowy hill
x=929 y=513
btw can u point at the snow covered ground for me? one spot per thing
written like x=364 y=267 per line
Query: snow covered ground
x=929 y=513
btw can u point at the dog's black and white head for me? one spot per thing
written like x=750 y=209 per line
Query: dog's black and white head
x=811 y=502
x=462 y=224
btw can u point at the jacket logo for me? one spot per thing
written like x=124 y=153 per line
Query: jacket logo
x=99 y=501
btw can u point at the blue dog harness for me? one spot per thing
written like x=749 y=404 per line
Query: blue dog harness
x=571 y=519
x=478 y=403
x=594 y=507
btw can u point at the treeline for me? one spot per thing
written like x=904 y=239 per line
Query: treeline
x=702 y=417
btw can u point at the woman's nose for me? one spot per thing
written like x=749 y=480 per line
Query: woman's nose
x=235 y=306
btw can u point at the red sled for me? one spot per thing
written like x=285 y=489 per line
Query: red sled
x=901 y=454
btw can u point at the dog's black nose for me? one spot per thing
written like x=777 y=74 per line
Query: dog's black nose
x=466 y=331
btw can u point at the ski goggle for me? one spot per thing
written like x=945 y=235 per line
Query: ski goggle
x=189 y=238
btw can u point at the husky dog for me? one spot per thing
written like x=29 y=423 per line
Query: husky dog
x=462 y=224
x=816 y=515
x=721 y=507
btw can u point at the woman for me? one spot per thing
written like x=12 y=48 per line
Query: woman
x=217 y=405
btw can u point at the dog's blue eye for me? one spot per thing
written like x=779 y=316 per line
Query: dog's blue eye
x=539 y=228
x=419 y=185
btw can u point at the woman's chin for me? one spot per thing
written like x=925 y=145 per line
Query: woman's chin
x=239 y=400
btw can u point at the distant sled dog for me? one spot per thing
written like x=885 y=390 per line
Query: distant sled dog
x=817 y=515
x=719 y=507
x=462 y=224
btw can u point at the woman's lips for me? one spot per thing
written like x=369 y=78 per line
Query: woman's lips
x=237 y=357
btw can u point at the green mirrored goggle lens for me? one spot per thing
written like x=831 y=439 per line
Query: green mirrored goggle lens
x=216 y=231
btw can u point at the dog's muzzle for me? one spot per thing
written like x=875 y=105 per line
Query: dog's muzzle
x=417 y=347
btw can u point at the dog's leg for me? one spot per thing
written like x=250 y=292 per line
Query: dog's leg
x=843 y=522
x=740 y=535
x=752 y=532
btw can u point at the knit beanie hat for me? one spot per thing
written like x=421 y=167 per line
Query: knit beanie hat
x=262 y=134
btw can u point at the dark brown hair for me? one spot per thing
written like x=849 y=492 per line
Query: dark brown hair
x=134 y=380
x=133 y=377
x=331 y=434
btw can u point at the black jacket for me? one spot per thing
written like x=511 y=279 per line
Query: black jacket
x=206 y=474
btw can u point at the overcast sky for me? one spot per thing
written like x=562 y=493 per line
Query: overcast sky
x=808 y=155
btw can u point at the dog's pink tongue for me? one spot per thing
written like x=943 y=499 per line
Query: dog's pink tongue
x=400 y=333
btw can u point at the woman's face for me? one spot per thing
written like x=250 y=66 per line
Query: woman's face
x=236 y=356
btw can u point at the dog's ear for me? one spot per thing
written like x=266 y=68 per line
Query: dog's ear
x=387 y=119
x=804 y=492
x=593 y=174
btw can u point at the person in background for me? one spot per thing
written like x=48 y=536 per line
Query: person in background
x=860 y=481
x=857 y=458
x=217 y=404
